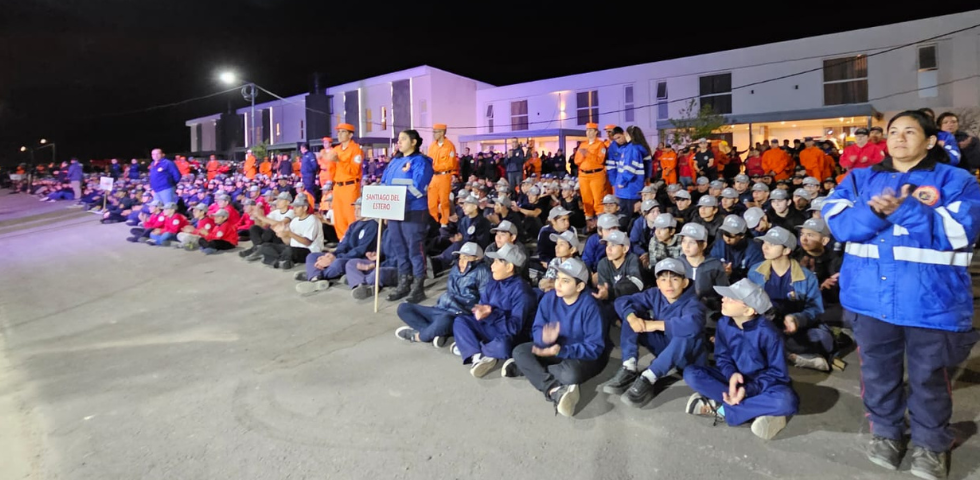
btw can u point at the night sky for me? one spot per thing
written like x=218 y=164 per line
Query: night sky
x=82 y=73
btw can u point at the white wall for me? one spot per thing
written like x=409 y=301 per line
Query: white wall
x=453 y=104
x=373 y=97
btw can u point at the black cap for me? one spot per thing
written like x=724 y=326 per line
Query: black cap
x=861 y=131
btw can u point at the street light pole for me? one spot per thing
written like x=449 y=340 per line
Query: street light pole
x=54 y=149
x=248 y=91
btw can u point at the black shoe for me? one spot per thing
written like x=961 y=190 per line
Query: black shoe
x=886 y=452
x=132 y=239
x=285 y=265
x=510 y=369
x=639 y=393
x=565 y=400
x=417 y=294
x=136 y=231
x=928 y=464
x=618 y=384
x=362 y=292
x=248 y=251
x=401 y=291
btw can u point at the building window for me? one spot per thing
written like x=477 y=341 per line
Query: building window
x=384 y=118
x=928 y=71
x=368 y=124
x=662 y=104
x=716 y=92
x=927 y=58
x=628 y=114
x=490 y=118
x=302 y=129
x=518 y=115
x=845 y=80
x=587 y=104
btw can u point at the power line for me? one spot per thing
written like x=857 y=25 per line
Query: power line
x=158 y=107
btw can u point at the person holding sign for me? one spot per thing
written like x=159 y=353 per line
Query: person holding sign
x=411 y=169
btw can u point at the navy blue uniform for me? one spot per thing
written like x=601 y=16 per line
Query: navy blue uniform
x=408 y=236
x=682 y=341
x=513 y=303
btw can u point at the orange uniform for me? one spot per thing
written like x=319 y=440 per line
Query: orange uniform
x=250 y=170
x=327 y=168
x=347 y=184
x=779 y=162
x=812 y=159
x=444 y=164
x=591 y=160
x=297 y=167
x=183 y=167
x=668 y=165
x=212 y=169
x=533 y=165
x=266 y=167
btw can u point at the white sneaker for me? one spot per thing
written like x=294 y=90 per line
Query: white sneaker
x=766 y=427
x=483 y=367
x=568 y=401
x=813 y=362
x=509 y=369
x=455 y=350
x=309 y=288
x=439 y=342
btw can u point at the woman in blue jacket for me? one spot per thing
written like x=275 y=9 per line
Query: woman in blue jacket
x=910 y=223
x=630 y=171
x=411 y=169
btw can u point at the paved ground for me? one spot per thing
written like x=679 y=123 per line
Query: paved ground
x=123 y=361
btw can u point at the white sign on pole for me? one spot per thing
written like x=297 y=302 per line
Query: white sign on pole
x=105 y=184
x=383 y=202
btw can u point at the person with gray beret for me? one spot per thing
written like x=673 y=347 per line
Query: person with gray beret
x=619 y=272
x=781 y=213
x=642 y=230
x=735 y=249
x=730 y=204
x=706 y=272
x=594 y=250
x=664 y=243
x=707 y=216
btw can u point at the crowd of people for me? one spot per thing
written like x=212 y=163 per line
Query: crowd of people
x=727 y=270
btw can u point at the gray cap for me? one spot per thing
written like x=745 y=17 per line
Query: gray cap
x=708 y=201
x=649 y=205
x=665 y=220
x=155 y=203
x=811 y=181
x=558 y=211
x=729 y=193
x=285 y=196
x=817 y=225
x=817 y=203
x=505 y=226
x=609 y=199
x=779 y=194
x=607 y=221
x=471 y=199
x=799 y=192
x=779 y=236
x=670 y=265
x=683 y=194
x=733 y=224
x=718 y=184
x=534 y=191
x=616 y=237
x=749 y=293
x=222 y=196
x=703 y=181
x=201 y=206
x=649 y=189
x=300 y=201
x=574 y=268
x=742 y=178
x=248 y=201
x=221 y=212
x=760 y=187
x=269 y=193
x=753 y=216
x=510 y=254
x=470 y=248
x=673 y=187
x=253 y=188
x=568 y=236
x=503 y=202
x=695 y=231
x=170 y=206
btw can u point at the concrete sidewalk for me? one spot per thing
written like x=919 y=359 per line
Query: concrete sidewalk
x=127 y=361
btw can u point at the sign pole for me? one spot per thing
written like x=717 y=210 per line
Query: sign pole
x=382 y=202
x=377 y=267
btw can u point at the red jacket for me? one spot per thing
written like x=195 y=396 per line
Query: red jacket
x=204 y=226
x=175 y=223
x=753 y=166
x=155 y=220
x=233 y=215
x=245 y=222
x=861 y=157
x=226 y=231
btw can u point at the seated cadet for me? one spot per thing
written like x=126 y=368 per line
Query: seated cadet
x=361 y=274
x=503 y=211
x=648 y=192
x=467 y=279
x=736 y=252
x=171 y=226
x=505 y=234
x=707 y=215
x=558 y=223
x=619 y=273
x=815 y=206
x=797 y=301
x=682 y=209
x=610 y=206
x=780 y=214
x=801 y=202
x=568 y=343
x=760 y=196
x=571 y=201
x=245 y=222
x=817 y=256
x=566 y=246
x=262 y=233
x=201 y=224
x=223 y=201
x=750 y=381
x=152 y=221
x=594 y=250
x=533 y=209
x=730 y=204
x=706 y=272
x=472 y=226
x=757 y=221
x=322 y=267
x=642 y=231
x=502 y=316
x=300 y=236
x=223 y=236
x=664 y=244
x=118 y=207
x=668 y=320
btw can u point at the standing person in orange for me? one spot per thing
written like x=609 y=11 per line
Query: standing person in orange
x=532 y=165
x=777 y=162
x=590 y=159
x=297 y=165
x=444 y=165
x=182 y=166
x=813 y=160
x=250 y=166
x=213 y=167
x=668 y=165
x=266 y=167
x=326 y=167
x=347 y=178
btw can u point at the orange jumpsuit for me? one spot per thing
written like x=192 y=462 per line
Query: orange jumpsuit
x=266 y=168
x=250 y=166
x=812 y=159
x=327 y=168
x=444 y=164
x=183 y=167
x=779 y=162
x=297 y=167
x=668 y=165
x=212 y=169
x=534 y=165
x=591 y=161
x=347 y=185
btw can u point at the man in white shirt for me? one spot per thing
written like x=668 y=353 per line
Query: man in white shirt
x=261 y=233
x=300 y=236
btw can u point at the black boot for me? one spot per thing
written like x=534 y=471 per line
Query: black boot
x=401 y=291
x=418 y=292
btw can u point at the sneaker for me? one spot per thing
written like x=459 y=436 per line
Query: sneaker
x=885 y=452
x=455 y=350
x=929 y=465
x=510 y=369
x=430 y=272
x=407 y=334
x=190 y=246
x=284 y=265
x=620 y=383
x=813 y=362
x=248 y=251
x=483 y=366
x=703 y=406
x=766 y=427
x=566 y=399
x=301 y=277
x=254 y=257
x=639 y=393
x=150 y=242
x=132 y=239
x=362 y=292
x=309 y=288
x=439 y=341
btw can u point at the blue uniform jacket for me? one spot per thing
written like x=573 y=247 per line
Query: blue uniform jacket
x=593 y=251
x=581 y=333
x=512 y=303
x=640 y=236
x=115 y=170
x=476 y=230
x=361 y=237
x=134 y=172
x=741 y=259
x=612 y=159
x=463 y=288
x=950 y=146
x=630 y=171
x=308 y=167
x=806 y=289
x=755 y=351
x=415 y=173
x=75 y=172
x=909 y=268
x=683 y=318
x=163 y=175
x=515 y=162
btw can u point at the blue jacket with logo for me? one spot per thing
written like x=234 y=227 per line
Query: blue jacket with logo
x=463 y=288
x=806 y=303
x=75 y=172
x=163 y=175
x=612 y=159
x=684 y=318
x=742 y=257
x=512 y=302
x=581 y=333
x=630 y=171
x=361 y=237
x=755 y=350
x=415 y=173
x=908 y=268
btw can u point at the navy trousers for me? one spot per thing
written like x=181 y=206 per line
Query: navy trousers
x=546 y=373
x=408 y=242
x=678 y=352
x=473 y=336
x=431 y=322
x=776 y=401
x=883 y=349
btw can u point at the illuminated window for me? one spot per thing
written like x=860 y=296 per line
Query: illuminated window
x=518 y=115
x=628 y=114
x=662 y=104
x=845 y=80
x=587 y=104
x=384 y=118
x=368 y=123
x=490 y=118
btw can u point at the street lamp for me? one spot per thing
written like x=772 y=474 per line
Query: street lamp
x=54 y=149
x=248 y=93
